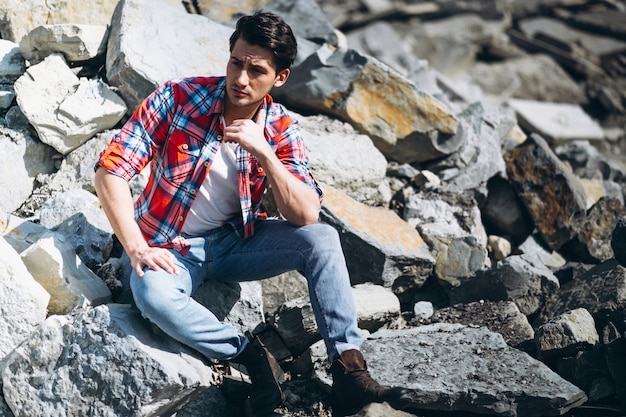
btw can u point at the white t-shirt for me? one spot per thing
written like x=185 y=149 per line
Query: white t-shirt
x=217 y=200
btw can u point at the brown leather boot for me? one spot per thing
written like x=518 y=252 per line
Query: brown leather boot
x=265 y=374
x=353 y=386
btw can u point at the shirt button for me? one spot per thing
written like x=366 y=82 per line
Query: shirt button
x=185 y=146
x=219 y=137
x=259 y=170
x=206 y=164
x=192 y=191
x=180 y=219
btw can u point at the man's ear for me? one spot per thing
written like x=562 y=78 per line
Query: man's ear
x=281 y=77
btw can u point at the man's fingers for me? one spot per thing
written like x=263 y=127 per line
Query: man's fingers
x=156 y=259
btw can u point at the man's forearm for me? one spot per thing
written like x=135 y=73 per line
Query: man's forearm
x=295 y=200
x=116 y=200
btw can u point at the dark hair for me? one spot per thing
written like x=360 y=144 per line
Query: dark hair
x=270 y=31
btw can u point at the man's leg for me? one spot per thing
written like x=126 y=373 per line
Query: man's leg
x=316 y=251
x=165 y=300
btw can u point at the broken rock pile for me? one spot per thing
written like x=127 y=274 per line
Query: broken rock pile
x=481 y=205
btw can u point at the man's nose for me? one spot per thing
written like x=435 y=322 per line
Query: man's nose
x=242 y=78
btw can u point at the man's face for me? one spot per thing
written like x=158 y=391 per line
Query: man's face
x=251 y=74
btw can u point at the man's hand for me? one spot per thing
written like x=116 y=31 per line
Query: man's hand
x=154 y=258
x=249 y=135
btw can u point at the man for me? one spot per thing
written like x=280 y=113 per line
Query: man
x=213 y=144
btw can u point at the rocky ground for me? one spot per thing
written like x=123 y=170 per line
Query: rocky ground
x=463 y=41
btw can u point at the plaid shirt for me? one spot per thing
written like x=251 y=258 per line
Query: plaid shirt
x=177 y=130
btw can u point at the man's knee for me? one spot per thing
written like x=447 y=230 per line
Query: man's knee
x=324 y=236
x=153 y=293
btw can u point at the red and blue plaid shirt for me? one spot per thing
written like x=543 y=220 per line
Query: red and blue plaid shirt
x=177 y=130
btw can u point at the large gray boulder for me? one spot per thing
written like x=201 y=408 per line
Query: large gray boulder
x=441 y=363
x=146 y=47
x=74 y=365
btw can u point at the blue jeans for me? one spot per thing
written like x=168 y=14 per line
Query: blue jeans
x=276 y=247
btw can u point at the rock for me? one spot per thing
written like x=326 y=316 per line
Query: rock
x=520 y=279
x=376 y=306
x=240 y=304
x=496 y=374
x=503 y=213
x=502 y=317
x=73 y=110
x=295 y=322
x=534 y=78
x=136 y=72
x=81 y=359
x=12 y=64
x=551 y=193
x=54 y=264
x=498 y=247
x=451 y=225
x=567 y=333
x=423 y=310
x=23 y=299
x=328 y=141
x=556 y=122
x=592 y=242
x=22 y=159
x=405 y=124
x=599 y=290
x=77 y=216
x=20 y=233
x=282 y=288
x=76 y=42
x=379 y=247
x=19 y=17
x=618 y=241
x=533 y=247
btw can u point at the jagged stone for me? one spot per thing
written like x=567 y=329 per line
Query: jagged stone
x=282 y=288
x=567 y=333
x=24 y=301
x=66 y=111
x=600 y=290
x=22 y=159
x=378 y=245
x=551 y=193
x=405 y=124
x=497 y=375
x=451 y=225
x=19 y=17
x=520 y=279
x=102 y=362
x=202 y=48
x=503 y=317
x=77 y=216
x=239 y=303
x=531 y=77
x=328 y=141
x=75 y=41
x=296 y=324
x=12 y=64
x=556 y=122
x=593 y=231
x=54 y=264
x=480 y=157
x=618 y=241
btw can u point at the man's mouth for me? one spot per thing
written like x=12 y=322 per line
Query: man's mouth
x=238 y=93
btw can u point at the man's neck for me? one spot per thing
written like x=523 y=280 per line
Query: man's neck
x=232 y=113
